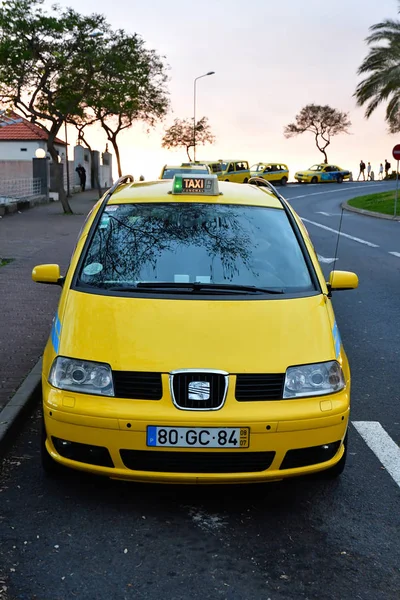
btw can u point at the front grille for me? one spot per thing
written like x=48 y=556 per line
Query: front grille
x=137 y=385
x=209 y=396
x=259 y=386
x=197 y=462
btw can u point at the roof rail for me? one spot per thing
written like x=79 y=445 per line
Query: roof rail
x=260 y=182
x=120 y=181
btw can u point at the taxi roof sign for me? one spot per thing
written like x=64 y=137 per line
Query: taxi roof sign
x=199 y=184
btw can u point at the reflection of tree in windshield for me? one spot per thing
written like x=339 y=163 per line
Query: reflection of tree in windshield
x=135 y=237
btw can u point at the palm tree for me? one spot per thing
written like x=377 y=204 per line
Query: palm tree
x=382 y=65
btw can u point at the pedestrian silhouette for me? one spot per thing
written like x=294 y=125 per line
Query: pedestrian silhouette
x=362 y=169
x=381 y=171
x=369 y=171
x=82 y=176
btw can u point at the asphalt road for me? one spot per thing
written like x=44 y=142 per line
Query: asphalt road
x=80 y=537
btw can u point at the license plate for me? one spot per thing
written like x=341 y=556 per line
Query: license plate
x=198 y=437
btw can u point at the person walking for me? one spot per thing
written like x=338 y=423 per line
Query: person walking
x=381 y=171
x=82 y=176
x=369 y=172
x=362 y=169
x=387 y=167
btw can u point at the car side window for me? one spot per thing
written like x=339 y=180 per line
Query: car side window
x=230 y=168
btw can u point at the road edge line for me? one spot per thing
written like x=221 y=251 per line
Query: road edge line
x=15 y=409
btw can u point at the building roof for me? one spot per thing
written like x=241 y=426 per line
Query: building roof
x=24 y=130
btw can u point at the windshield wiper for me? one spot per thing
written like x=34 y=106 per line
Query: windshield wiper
x=195 y=287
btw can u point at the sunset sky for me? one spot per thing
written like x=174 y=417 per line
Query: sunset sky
x=270 y=59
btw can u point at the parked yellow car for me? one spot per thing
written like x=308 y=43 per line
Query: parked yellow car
x=169 y=172
x=234 y=170
x=194 y=340
x=322 y=173
x=271 y=171
x=215 y=166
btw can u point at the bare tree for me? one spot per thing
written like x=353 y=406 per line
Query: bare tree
x=180 y=134
x=323 y=122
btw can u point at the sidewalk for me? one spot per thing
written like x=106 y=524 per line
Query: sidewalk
x=39 y=235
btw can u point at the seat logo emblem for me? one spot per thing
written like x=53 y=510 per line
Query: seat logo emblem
x=199 y=390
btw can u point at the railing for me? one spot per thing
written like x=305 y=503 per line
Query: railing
x=12 y=190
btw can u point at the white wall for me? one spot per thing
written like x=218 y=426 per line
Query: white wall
x=14 y=150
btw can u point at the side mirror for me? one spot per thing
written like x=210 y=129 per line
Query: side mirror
x=47 y=274
x=342 y=280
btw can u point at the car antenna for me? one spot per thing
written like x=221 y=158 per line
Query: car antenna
x=336 y=249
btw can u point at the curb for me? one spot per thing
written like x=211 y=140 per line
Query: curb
x=15 y=409
x=369 y=213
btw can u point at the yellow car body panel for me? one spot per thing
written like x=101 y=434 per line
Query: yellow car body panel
x=236 y=336
x=274 y=172
x=235 y=171
x=323 y=173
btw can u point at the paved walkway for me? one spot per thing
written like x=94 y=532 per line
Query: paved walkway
x=39 y=235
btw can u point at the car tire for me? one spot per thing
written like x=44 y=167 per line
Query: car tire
x=337 y=469
x=51 y=467
x=339 y=179
x=314 y=180
x=284 y=181
x=227 y=180
x=245 y=180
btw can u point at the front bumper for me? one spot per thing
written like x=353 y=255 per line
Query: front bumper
x=123 y=436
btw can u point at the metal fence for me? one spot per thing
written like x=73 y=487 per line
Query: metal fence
x=12 y=190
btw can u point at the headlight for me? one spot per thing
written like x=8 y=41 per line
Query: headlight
x=313 y=380
x=81 y=376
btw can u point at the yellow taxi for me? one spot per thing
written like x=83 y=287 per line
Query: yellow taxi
x=194 y=340
x=274 y=172
x=322 y=173
x=236 y=171
x=169 y=171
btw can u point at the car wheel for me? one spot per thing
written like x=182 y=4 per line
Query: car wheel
x=340 y=178
x=226 y=179
x=314 y=180
x=338 y=469
x=245 y=180
x=284 y=181
x=51 y=467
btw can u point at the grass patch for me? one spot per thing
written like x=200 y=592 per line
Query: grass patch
x=381 y=203
x=5 y=261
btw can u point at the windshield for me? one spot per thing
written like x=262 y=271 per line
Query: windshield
x=257 y=168
x=169 y=173
x=316 y=168
x=194 y=242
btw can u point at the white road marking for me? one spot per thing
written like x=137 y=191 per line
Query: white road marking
x=351 y=237
x=381 y=445
x=335 y=191
x=326 y=261
x=395 y=254
x=321 y=212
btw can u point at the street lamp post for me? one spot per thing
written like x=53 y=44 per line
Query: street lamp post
x=194 y=110
x=66 y=159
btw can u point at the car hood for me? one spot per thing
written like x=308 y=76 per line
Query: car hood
x=237 y=336
x=306 y=172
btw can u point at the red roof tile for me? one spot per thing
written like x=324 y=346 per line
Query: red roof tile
x=23 y=131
